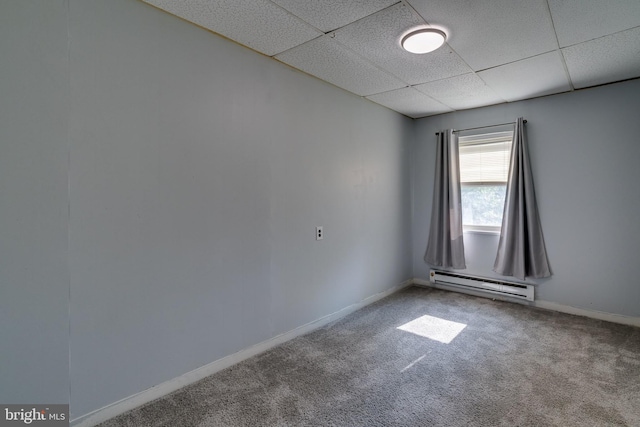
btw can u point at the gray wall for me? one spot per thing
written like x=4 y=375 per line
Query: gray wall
x=34 y=275
x=198 y=172
x=162 y=186
x=584 y=153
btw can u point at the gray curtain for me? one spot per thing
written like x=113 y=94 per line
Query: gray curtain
x=445 y=247
x=521 y=250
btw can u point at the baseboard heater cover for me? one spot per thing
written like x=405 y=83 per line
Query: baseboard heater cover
x=492 y=286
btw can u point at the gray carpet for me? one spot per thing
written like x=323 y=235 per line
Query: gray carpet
x=509 y=366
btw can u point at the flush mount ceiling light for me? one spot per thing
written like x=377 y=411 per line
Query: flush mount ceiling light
x=423 y=41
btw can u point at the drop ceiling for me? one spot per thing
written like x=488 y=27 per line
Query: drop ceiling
x=496 y=51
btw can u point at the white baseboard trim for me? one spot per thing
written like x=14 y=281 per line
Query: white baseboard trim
x=114 y=409
x=594 y=314
x=547 y=305
x=422 y=282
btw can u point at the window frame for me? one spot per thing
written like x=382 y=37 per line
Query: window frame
x=482 y=138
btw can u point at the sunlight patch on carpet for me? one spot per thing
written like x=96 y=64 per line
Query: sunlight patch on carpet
x=434 y=328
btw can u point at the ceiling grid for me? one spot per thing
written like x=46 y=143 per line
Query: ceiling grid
x=496 y=50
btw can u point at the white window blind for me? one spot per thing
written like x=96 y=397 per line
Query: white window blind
x=484 y=159
x=484 y=168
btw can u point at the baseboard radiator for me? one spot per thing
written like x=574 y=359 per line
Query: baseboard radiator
x=481 y=284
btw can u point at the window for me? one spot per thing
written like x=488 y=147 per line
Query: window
x=484 y=166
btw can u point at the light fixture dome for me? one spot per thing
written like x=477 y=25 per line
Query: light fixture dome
x=424 y=40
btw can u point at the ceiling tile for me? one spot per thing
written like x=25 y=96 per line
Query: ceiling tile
x=492 y=32
x=577 y=21
x=330 y=61
x=541 y=75
x=410 y=102
x=511 y=45
x=604 y=60
x=328 y=15
x=258 y=24
x=377 y=38
x=460 y=92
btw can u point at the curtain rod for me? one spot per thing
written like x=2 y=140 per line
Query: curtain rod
x=489 y=126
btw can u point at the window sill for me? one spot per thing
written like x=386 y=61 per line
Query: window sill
x=485 y=232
